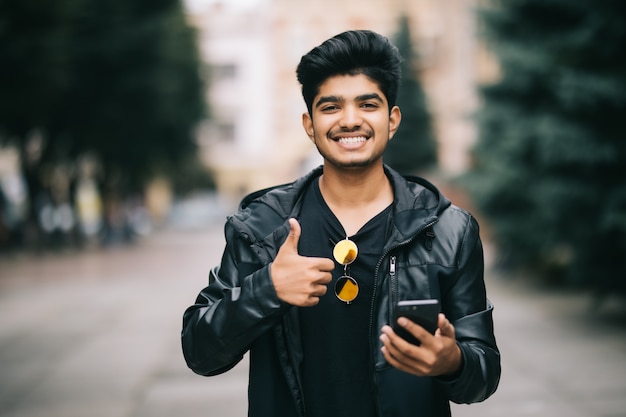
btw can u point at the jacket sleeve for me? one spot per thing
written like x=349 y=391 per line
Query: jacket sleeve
x=466 y=305
x=239 y=304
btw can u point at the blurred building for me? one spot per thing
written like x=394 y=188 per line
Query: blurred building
x=254 y=137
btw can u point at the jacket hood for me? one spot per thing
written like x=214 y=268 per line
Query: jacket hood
x=417 y=204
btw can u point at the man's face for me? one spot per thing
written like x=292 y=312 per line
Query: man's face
x=350 y=122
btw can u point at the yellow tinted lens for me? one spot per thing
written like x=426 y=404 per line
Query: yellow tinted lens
x=345 y=252
x=346 y=289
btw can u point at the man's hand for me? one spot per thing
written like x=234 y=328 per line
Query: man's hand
x=437 y=355
x=299 y=280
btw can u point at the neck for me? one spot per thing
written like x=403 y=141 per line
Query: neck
x=358 y=186
x=355 y=196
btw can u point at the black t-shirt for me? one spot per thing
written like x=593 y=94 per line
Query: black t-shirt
x=337 y=368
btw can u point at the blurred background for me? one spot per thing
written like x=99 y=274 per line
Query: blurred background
x=129 y=130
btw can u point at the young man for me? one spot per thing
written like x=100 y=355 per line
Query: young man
x=312 y=270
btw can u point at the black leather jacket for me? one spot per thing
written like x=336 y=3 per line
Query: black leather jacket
x=434 y=251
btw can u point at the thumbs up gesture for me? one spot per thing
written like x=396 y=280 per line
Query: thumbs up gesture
x=299 y=280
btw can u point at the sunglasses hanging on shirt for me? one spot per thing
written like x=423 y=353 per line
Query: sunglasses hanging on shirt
x=346 y=287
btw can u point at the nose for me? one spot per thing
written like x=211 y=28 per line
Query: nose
x=350 y=117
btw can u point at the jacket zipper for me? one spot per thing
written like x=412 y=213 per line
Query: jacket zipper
x=392 y=266
x=392 y=273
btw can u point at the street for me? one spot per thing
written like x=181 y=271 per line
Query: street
x=97 y=333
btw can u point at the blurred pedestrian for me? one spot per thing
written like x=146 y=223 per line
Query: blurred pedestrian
x=311 y=270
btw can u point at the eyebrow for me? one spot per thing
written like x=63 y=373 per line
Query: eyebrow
x=362 y=97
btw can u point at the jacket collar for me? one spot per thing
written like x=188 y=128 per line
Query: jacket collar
x=282 y=198
x=417 y=202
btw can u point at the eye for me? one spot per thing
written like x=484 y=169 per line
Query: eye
x=370 y=105
x=330 y=108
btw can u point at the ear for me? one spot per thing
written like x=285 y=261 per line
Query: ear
x=307 y=123
x=394 y=121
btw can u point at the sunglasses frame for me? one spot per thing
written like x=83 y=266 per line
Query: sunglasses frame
x=342 y=281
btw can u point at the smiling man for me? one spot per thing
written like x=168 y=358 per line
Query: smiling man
x=312 y=270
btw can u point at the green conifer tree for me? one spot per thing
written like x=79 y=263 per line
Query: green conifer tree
x=413 y=148
x=116 y=80
x=550 y=170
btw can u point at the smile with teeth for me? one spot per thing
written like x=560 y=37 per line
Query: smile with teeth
x=351 y=140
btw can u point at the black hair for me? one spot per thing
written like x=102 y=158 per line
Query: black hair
x=351 y=53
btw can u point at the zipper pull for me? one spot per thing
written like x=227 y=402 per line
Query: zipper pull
x=392 y=266
x=430 y=235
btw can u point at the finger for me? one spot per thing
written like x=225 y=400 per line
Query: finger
x=394 y=342
x=398 y=352
x=323 y=279
x=320 y=267
x=391 y=359
x=320 y=290
x=445 y=327
x=415 y=329
x=294 y=235
x=316 y=293
x=311 y=301
x=326 y=265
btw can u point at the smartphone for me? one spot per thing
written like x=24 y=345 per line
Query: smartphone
x=423 y=312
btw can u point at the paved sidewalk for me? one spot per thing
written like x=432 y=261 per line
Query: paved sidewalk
x=97 y=334
x=558 y=357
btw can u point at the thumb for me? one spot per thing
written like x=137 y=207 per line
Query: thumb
x=445 y=327
x=294 y=235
